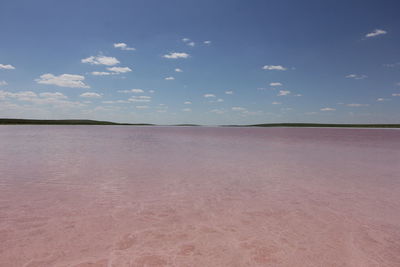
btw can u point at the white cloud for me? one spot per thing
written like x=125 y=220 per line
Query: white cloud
x=118 y=70
x=283 y=92
x=357 y=105
x=123 y=46
x=327 y=109
x=209 y=95
x=142 y=107
x=238 y=109
x=135 y=91
x=152 y=91
x=382 y=99
x=187 y=109
x=55 y=95
x=375 y=33
x=7 y=67
x=100 y=73
x=357 y=76
x=187 y=103
x=218 y=111
x=191 y=44
x=175 y=55
x=395 y=94
x=185 y=40
x=114 y=101
x=392 y=65
x=22 y=95
x=220 y=100
x=53 y=98
x=101 y=60
x=178 y=70
x=273 y=67
x=170 y=78
x=229 y=92
x=3 y=83
x=207 y=42
x=276 y=103
x=141 y=98
x=90 y=95
x=63 y=80
x=275 y=84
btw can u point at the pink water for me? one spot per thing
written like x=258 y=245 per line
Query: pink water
x=168 y=196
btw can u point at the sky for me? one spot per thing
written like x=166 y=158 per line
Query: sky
x=204 y=62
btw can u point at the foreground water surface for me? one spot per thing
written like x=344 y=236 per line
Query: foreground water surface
x=198 y=196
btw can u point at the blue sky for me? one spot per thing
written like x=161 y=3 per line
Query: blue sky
x=206 y=62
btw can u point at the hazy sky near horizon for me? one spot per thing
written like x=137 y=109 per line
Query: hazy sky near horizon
x=207 y=62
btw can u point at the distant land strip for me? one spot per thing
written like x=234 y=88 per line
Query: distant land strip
x=6 y=121
x=65 y=122
x=340 y=125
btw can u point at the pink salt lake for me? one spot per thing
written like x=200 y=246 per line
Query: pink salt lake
x=198 y=196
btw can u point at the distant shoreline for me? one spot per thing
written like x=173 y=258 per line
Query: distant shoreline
x=6 y=121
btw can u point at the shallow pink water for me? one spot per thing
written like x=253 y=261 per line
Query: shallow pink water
x=169 y=196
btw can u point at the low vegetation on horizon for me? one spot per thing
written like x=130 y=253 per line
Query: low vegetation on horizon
x=94 y=122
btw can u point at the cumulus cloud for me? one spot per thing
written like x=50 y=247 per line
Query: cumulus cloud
x=170 y=78
x=7 y=67
x=395 y=94
x=229 y=92
x=356 y=105
x=90 y=95
x=3 y=83
x=141 y=98
x=119 y=70
x=207 y=42
x=22 y=95
x=187 y=109
x=375 y=33
x=55 y=99
x=238 y=109
x=63 y=80
x=55 y=95
x=356 y=76
x=274 y=67
x=115 y=101
x=327 y=109
x=392 y=65
x=191 y=44
x=220 y=100
x=276 y=103
x=209 y=95
x=135 y=91
x=178 y=70
x=283 y=92
x=185 y=40
x=123 y=46
x=101 y=60
x=218 y=111
x=382 y=99
x=275 y=84
x=100 y=73
x=175 y=55
x=187 y=103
